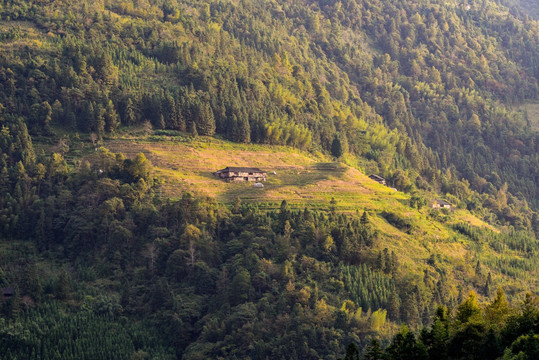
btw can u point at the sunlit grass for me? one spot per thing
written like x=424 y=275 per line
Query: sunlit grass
x=183 y=163
x=303 y=179
x=532 y=110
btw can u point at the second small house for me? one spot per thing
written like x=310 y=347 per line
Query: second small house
x=441 y=204
x=378 y=179
x=241 y=174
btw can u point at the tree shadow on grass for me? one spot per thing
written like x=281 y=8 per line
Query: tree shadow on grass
x=285 y=178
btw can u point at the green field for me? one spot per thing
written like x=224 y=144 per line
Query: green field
x=303 y=179
x=532 y=111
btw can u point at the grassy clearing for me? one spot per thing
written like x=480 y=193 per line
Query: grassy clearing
x=303 y=179
x=15 y=35
x=306 y=179
x=532 y=110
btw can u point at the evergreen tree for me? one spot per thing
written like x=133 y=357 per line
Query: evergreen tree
x=161 y=124
x=57 y=112
x=352 y=352
x=112 y=120
x=498 y=310
x=437 y=338
x=87 y=120
x=193 y=129
x=12 y=307
x=488 y=284
x=469 y=309
x=336 y=148
x=404 y=346
x=205 y=121
x=62 y=286
x=364 y=219
x=244 y=130
x=130 y=117
x=45 y=116
x=100 y=121
x=374 y=351
x=171 y=113
x=240 y=288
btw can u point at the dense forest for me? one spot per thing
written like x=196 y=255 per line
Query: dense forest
x=102 y=267
x=425 y=94
x=97 y=264
x=474 y=332
x=525 y=7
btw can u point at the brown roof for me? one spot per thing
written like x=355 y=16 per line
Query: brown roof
x=442 y=202
x=240 y=169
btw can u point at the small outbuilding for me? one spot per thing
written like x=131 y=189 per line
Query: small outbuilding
x=378 y=179
x=441 y=204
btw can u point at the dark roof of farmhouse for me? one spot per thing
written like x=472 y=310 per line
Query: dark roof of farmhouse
x=241 y=169
x=443 y=202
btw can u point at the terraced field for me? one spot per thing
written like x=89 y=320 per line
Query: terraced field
x=303 y=179
x=532 y=110
x=300 y=177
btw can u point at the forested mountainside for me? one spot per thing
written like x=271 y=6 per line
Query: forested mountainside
x=425 y=93
x=96 y=262
x=528 y=7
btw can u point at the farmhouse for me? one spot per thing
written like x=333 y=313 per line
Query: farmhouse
x=378 y=179
x=241 y=174
x=441 y=204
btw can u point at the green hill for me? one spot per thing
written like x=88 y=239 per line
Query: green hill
x=528 y=7
x=301 y=178
x=116 y=241
x=405 y=87
x=121 y=255
x=304 y=180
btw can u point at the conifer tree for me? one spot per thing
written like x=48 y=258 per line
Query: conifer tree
x=193 y=129
x=62 y=286
x=46 y=116
x=112 y=121
x=57 y=111
x=404 y=346
x=205 y=119
x=498 y=310
x=488 y=284
x=100 y=121
x=374 y=351
x=13 y=305
x=336 y=148
x=352 y=352
x=129 y=114
x=244 y=130
x=170 y=112
x=86 y=122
